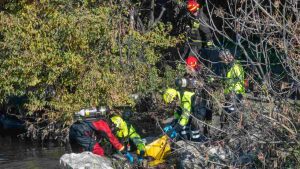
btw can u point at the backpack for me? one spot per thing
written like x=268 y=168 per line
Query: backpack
x=82 y=134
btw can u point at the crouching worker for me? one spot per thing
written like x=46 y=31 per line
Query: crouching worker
x=128 y=135
x=89 y=128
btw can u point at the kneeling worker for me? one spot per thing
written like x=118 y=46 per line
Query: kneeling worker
x=89 y=128
x=127 y=134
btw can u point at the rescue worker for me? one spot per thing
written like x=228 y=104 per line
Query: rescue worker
x=197 y=31
x=181 y=122
x=89 y=128
x=128 y=135
x=202 y=106
x=234 y=81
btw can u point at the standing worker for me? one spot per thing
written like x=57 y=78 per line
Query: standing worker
x=202 y=105
x=198 y=32
x=181 y=124
x=234 y=80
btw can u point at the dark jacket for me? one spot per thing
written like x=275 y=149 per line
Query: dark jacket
x=86 y=133
x=198 y=32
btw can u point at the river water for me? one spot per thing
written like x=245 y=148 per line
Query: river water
x=19 y=154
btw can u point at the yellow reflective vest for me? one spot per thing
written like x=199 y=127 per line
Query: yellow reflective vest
x=186 y=107
x=235 y=79
x=123 y=132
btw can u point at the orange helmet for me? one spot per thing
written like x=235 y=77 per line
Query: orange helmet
x=192 y=62
x=193 y=6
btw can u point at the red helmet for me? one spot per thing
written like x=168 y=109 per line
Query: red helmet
x=192 y=62
x=193 y=6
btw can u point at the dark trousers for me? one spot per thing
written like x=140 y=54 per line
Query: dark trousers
x=231 y=108
x=205 y=30
x=196 y=130
x=191 y=49
x=233 y=102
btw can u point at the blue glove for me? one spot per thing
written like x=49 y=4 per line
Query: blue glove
x=169 y=130
x=173 y=134
x=129 y=157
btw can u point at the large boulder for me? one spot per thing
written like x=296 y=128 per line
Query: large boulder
x=85 y=160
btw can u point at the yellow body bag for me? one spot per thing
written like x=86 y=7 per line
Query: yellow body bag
x=158 y=149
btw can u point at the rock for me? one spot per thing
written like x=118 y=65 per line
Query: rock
x=197 y=155
x=217 y=152
x=190 y=157
x=85 y=160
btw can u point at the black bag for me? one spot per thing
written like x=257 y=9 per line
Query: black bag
x=81 y=135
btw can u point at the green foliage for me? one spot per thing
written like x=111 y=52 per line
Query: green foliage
x=64 y=57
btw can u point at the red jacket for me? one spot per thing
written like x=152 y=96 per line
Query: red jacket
x=103 y=127
x=81 y=133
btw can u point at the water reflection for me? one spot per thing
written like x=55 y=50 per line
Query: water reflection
x=15 y=153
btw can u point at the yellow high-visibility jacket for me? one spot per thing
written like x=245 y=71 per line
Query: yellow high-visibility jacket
x=235 y=79
x=125 y=131
x=186 y=107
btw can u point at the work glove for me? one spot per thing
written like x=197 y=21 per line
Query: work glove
x=169 y=130
x=129 y=157
x=173 y=134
